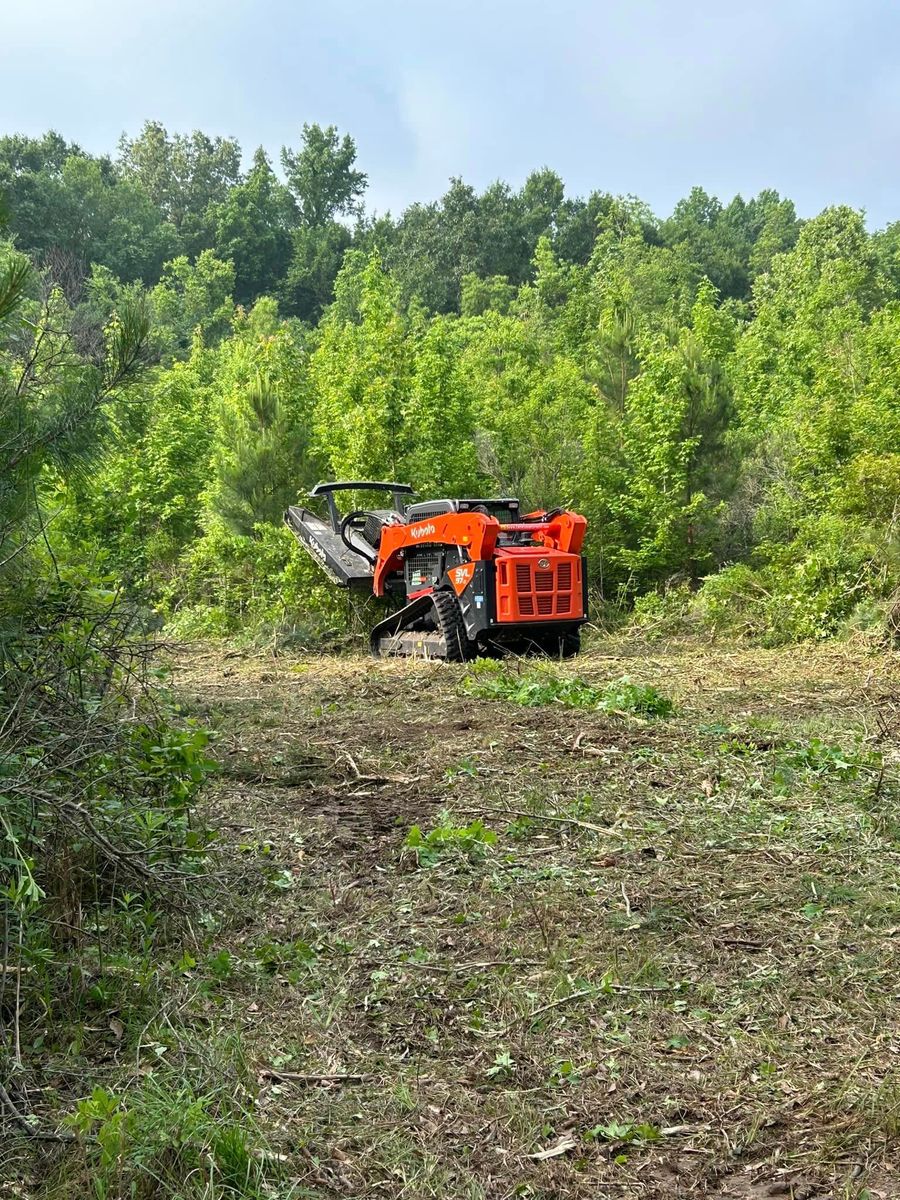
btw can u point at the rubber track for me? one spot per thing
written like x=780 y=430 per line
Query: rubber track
x=452 y=627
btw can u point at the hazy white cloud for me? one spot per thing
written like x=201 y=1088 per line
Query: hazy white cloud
x=643 y=96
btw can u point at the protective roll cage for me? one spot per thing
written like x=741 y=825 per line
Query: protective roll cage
x=346 y=525
x=396 y=490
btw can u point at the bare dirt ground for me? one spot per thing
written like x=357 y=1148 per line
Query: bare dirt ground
x=675 y=973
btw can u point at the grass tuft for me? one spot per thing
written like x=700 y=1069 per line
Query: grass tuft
x=490 y=680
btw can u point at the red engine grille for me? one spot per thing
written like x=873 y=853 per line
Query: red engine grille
x=526 y=591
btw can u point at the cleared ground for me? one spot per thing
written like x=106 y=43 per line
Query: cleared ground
x=676 y=972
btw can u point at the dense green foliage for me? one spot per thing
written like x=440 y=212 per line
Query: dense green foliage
x=716 y=391
x=187 y=345
x=97 y=771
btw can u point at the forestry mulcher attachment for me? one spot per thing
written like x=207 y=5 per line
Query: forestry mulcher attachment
x=468 y=575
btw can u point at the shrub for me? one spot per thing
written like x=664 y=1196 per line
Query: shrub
x=232 y=584
x=186 y=1132
x=658 y=614
x=733 y=601
x=98 y=777
x=807 y=589
x=468 y=841
x=492 y=680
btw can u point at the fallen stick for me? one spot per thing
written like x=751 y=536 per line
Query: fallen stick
x=547 y=1007
x=592 y=751
x=313 y=1080
x=41 y=1135
x=516 y=812
x=476 y=966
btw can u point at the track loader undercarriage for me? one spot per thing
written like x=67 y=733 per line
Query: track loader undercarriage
x=465 y=576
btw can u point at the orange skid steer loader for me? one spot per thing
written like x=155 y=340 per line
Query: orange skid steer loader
x=469 y=575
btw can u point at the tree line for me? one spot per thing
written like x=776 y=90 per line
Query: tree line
x=716 y=390
x=165 y=196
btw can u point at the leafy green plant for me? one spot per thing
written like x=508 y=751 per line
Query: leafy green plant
x=470 y=842
x=103 y=1116
x=636 y=698
x=465 y=768
x=293 y=959
x=628 y=1132
x=502 y=1067
x=817 y=760
x=188 y=1137
x=565 y=1073
x=533 y=688
x=817 y=757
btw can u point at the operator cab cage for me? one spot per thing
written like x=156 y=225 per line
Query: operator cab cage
x=345 y=546
x=506 y=510
x=396 y=490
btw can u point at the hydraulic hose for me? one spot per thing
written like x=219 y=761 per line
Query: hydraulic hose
x=371 y=558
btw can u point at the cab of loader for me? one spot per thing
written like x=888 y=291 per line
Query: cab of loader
x=505 y=510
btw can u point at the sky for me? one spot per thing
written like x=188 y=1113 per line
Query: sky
x=641 y=97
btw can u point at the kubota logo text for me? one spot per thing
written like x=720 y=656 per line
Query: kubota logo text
x=421 y=531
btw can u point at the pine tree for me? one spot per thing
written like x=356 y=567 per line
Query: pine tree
x=261 y=459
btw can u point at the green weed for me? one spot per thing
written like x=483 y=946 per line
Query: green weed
x=491 y=680
x=819 y=758
x=503 y=1067
x=565 y=1073
x=628 y=1132
x=639 y=699
x=469 y=841
x=170 y=1136
x=275 y=957
x=816 y=761
x=465 y=768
